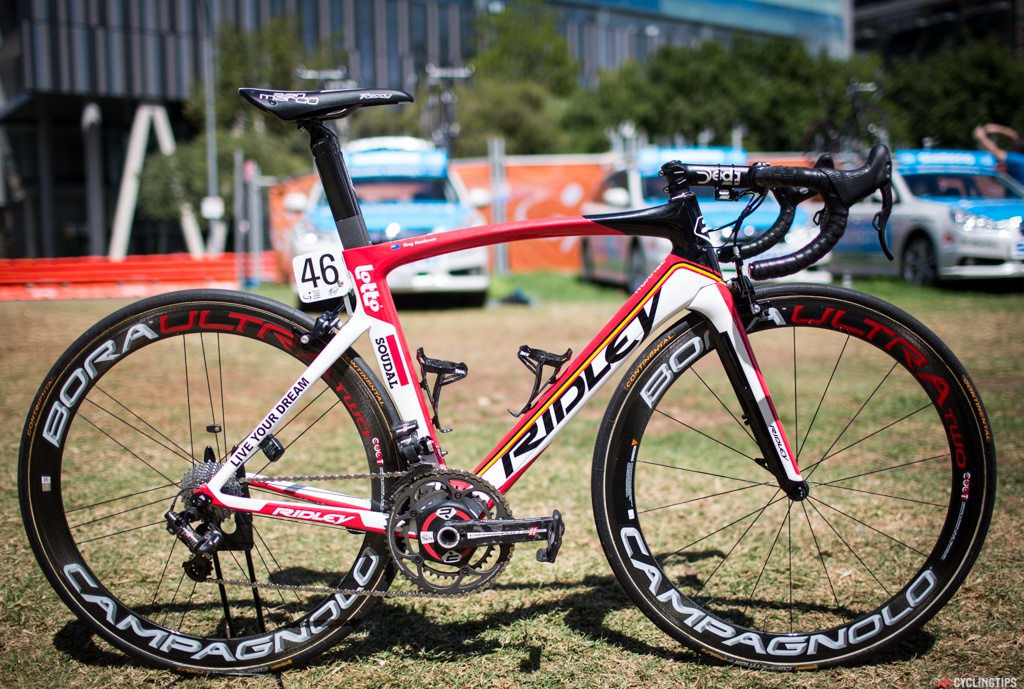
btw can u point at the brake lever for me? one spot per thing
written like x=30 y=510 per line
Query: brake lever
x=882 y=217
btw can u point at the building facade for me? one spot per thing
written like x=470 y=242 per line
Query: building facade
x=74 y=73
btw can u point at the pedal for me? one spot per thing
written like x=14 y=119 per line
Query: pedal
x=536 y=360
x=457 y=534
x=446 y=372
x=555 y=532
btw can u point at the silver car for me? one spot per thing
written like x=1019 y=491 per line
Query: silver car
x=954 y=216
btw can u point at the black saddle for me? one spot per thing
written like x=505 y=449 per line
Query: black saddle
x=293 y=106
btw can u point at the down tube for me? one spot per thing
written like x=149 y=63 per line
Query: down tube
x=670 y=289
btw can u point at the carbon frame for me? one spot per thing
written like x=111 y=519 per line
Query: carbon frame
x=676 y=284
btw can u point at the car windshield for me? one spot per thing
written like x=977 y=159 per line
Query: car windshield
x=404 y=190
x=961 y=185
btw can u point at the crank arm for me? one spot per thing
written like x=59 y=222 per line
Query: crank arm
x=456 y=535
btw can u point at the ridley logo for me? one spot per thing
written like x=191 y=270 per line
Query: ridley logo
x=313 y=515
x=377 y=95
x=368 y=289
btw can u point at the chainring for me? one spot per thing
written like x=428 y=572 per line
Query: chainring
x=430 y=499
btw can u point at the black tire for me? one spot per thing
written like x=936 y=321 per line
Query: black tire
x=820 y=136
x=586 y=261
x=891 y=437
x=636 y=270
x=128 y=410
x=918 y=262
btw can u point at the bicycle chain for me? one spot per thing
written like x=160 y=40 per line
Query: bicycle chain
x=387 y=593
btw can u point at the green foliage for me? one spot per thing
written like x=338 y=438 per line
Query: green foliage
x=267 y=58
x=166 y=181
x=517 y=111
x=522 y=44
x=945 y=95
x=771 y=88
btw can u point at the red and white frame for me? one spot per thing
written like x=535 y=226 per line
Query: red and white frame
x=676 y=285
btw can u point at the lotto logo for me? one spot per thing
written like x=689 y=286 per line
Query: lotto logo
x=368 y=291
x=944 y=684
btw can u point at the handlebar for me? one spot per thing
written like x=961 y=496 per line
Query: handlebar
x=839 y=189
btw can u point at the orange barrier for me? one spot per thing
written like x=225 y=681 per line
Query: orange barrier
x=97 y=277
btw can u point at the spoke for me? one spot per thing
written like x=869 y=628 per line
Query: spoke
x=705 y=435
x=121 y=532
x=123 y=497
x=796 y=397
x=759 y=511
x=163 y=572
x=863 y=564
x=132 y=453
x=826 y=454
x=883 y=470
x=703 y=497
x=767 y=559
x=866 y=525
x=821 y=401
x=723 y=404
x=174 y=447
x=882 y=495
x=188 y=398
x=117 y=514
x=209 y=390
x=821 y=555
x=871 y=435
x=704 y=473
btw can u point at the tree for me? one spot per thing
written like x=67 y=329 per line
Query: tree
x=267 y=58
x=521 y=43
x=945 y=95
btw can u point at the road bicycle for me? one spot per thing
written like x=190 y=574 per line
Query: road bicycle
x=216 y=482
x=850 y=140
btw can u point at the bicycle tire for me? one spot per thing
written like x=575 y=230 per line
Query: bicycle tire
x=137 y=402
x=891 y=436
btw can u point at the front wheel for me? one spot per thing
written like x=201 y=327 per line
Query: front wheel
x=139 y=412
x=918 y=264
x=891 y=437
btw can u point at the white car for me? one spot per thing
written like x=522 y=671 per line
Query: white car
x=627 y=261
x=404 y=190
x=954 y=216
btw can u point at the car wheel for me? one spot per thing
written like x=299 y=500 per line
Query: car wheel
x=636 y=271
x=587 y=261
x=918 y=262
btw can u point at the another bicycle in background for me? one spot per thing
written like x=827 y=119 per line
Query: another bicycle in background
x=216 y=482
x=848 y=138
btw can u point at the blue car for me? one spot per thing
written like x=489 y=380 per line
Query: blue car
x=954 y=216
x=405 y=191
x=627 y=261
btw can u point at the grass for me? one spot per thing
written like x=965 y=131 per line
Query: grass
x=541 y=625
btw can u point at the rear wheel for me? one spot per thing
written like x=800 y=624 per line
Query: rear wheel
x=918 y=264
x=119 y=434
x=890 y=436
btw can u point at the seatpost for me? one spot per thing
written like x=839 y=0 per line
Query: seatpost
x=341 y=195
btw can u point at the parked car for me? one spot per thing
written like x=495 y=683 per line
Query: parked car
x=405 y=190
x=954 y=216
x=627 y=261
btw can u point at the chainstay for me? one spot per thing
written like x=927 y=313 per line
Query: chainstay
x=325 y=477
x=330 y=589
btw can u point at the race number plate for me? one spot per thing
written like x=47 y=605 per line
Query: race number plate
x=320 y=275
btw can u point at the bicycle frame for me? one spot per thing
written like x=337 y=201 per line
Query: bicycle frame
x=677 y=284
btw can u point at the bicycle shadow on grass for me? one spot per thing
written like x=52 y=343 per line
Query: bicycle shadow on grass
x=410 y=630
x=406 y=631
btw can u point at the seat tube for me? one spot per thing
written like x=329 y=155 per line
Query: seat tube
x=341 y=195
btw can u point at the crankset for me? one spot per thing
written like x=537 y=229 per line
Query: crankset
x=451 y=532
